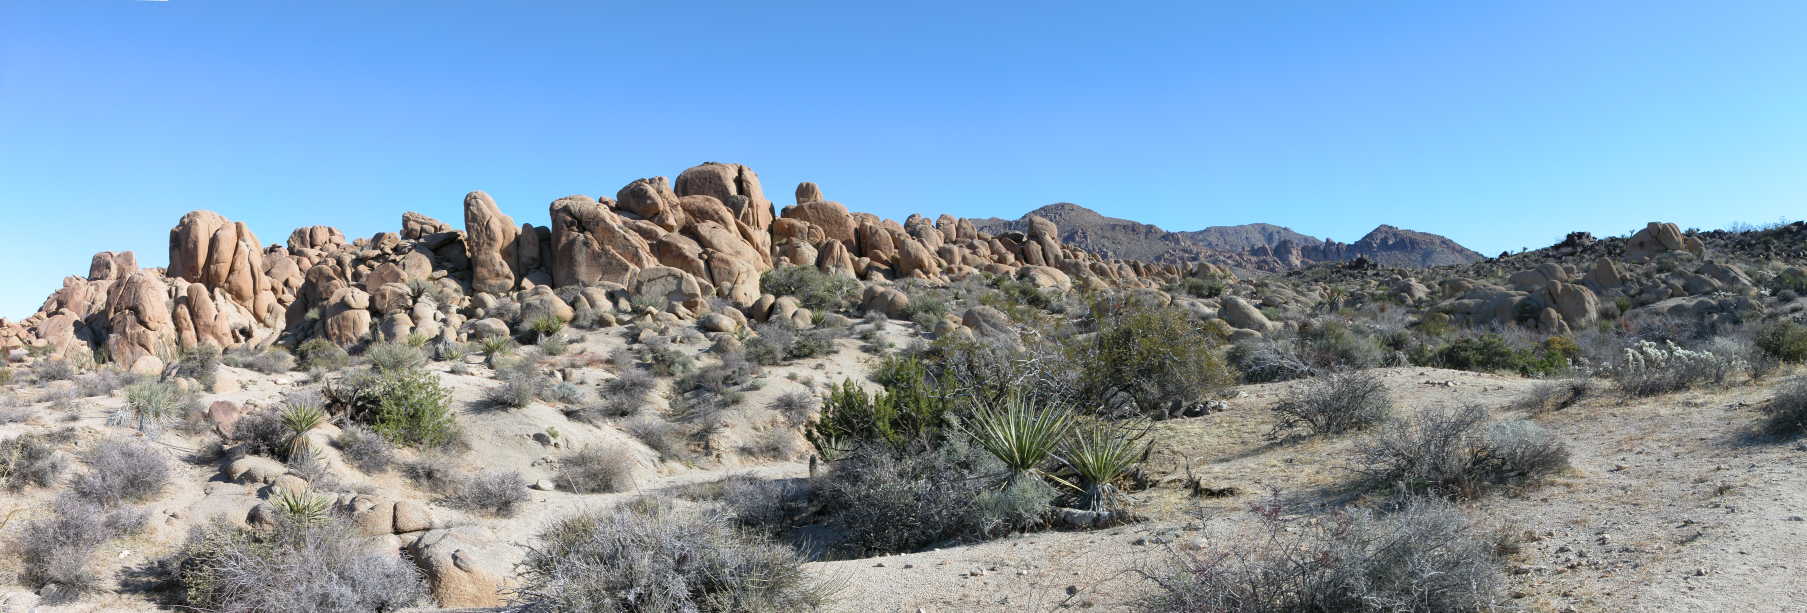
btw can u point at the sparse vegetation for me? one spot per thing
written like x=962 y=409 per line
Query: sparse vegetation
x=408 y=407
x=365 y=449
x=29 y=460
x=57 y=552
x=268 y=360
x=121 y=471
x=1453 y=453
x=814 y=289
x=395 y=357
x=1787 y=411
x=319 y=354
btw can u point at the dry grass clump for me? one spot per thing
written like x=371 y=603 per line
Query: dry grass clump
x=1334 y=404
x=648 y=556
x=365 y=449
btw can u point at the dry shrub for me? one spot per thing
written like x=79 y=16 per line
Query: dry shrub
x=1334 y=404
x=56 y=552
x=646 y=556
x=1454 y=453
x=297 y=567
x=28 y=460
x=594 y=470
x=498 y=493
x=1424 y=556
x=120 y=471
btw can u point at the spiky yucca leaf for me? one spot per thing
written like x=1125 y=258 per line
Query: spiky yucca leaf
x=302 y=506
x=301 y=418
x=1020 y=433
x=1100 y=453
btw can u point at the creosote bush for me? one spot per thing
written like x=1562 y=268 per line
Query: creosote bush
x=1784 y=340
x=300 y=566
x=815 y=290
x=1333 y=404
x=1422 y=557
x=409 y=407
x=322 y=354
x=1142 y=359
x=647 y=556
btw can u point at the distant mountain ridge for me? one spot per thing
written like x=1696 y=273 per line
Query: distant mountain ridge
x=1256 y=246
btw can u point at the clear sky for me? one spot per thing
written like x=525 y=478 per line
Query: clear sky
x=1500 y=124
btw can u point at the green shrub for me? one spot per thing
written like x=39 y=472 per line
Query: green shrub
x=646 y=556
x=150 y=406
x=815 y=290
x=201 y=363
x=408 y=407
x=1454 y=453
x=912 y=409
x=884 y=501
x=1197 y=288
x=1492 y=353
x=1143 y=359
x=322 y=354
x=389 y=357
x=1785 y=340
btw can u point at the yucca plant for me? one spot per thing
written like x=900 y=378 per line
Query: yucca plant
x=417 y=340
x=148 y=406
x=301 y=417
x=301 y=506
x=546 y=325
x=1100 y=453
x=495 y=346
x=1020 y=433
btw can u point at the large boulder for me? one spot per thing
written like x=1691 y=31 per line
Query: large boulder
x=1659 y=237
x=142 y=329
x=669 y=286
x=831 y=217
x=490 y=242
x=1239 y=313
x=415 y=226
x=590 y=244
x=725 y=182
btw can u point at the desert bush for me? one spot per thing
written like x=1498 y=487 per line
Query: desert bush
x=1266 y=360
x=912 y=409
x=450 y=350
x=545 y=325
x=29 y=459
x=297 y=567
x=1554 y=395
x=1452 y=453
x=594 y=470
x=408 y=407
x=888 y=501
x=393 y=357
x=434 y=470
x=1333 y=404
x=767 y=506
x=201 y=363
x=1142 y=359
x=1649 y=369
x=269 y=360
x=1197 y=288
x=121 y=471
x=554 y=344
x=1423 y=557
x=1786 y=412
x=1784 y=340
x=365 y=449
x=669 y=439
x=54 y=370
x=103 y=381
x=262 y=433
x=1021 y=433
x=322 y=354
x=796 y=407
x=497 y=493
x=647 y=556
x=149 y=407
x=815 y=290
x=1493 y=353
x=669 y=361
x=521 y=384
x=56 y=552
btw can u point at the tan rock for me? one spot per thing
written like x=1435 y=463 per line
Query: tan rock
x=490 y=243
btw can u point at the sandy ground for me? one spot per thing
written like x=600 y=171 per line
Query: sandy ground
x=1671 y=504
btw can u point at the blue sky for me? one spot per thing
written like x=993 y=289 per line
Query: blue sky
x=1500 y=124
